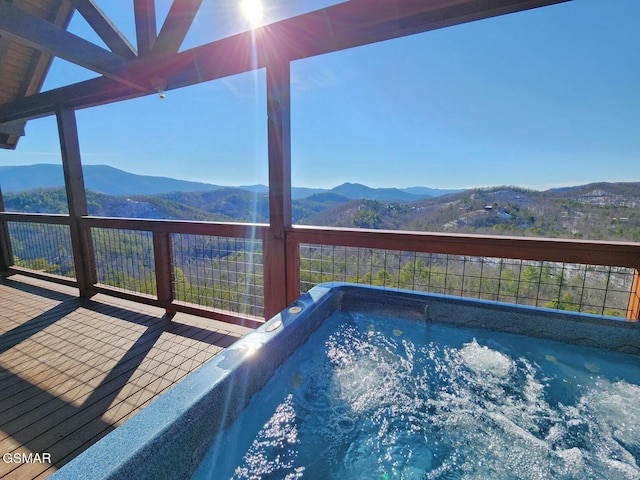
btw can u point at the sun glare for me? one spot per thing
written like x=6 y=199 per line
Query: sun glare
x=252 y=10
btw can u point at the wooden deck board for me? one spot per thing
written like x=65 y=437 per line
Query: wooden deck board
x=72 y=370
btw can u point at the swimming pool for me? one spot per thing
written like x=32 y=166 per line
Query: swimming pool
x=407 y=386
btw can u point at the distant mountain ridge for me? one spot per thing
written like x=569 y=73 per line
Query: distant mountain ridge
x=98 y=178
x=112 y=181
x=595 y=211
x=599 y=211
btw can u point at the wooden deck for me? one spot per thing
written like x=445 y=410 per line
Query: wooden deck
x=72 y=370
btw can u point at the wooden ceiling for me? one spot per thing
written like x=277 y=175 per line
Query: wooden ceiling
x=33 y=31
x=23 y=67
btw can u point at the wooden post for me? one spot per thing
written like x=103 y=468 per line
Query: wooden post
x=163 y=257
x=83 y=255
x=633 y=311
x=279 y=138
x=293 y=269
x=6 y=254
x=146 y=30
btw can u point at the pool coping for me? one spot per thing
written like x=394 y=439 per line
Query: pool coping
x=169 y=438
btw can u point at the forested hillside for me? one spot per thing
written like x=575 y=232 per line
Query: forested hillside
x=608 y=211
x=598 y=211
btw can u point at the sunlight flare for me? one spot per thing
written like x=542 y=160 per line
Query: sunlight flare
x=252 y=11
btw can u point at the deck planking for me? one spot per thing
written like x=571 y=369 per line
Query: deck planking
x=73 y=369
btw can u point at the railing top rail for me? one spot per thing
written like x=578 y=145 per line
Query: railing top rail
x=589 y=252
x=226 y=229
x=50 y=218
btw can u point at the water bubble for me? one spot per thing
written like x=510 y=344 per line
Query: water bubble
x=482 y=359
x=346 y=424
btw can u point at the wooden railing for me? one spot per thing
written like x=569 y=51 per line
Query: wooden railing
x=583 y=252
x=160 y=270
x=579 y=252
x=8 y=263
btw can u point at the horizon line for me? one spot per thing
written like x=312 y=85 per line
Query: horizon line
x=539 y=188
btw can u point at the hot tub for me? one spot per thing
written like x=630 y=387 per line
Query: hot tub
x=405 y=385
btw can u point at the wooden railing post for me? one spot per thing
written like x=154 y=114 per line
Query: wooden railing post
x=293 y=269
x=163 y=258
x=633 y=311
x=81 y=242
x=6 y=254
x=279 y=138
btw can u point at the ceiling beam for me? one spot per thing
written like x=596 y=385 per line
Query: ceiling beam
x=41 y=61
x=361 y=22
x=104 y=27
x=36 y=67
x=13 y=128
x=4 y=46
x=146 y=31
x=341 y=26
x=176 y=25
x=44 y=36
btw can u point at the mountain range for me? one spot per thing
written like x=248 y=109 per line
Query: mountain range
x=601 y=211
x=115 y=182
x=597 y=211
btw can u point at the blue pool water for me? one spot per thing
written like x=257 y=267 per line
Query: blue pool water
x=371 y=397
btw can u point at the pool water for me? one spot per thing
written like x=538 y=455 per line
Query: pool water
x=377 y=398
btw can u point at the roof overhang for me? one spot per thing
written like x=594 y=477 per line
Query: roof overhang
x=24 y=67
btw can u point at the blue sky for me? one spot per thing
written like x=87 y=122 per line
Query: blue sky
x=542 y=98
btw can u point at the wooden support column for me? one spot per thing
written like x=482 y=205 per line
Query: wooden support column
x=6 y=254
x=83 y=255
x=146 y=30
x=279 y=138
x=293 y=269
x=163 y=257
x=633 y=312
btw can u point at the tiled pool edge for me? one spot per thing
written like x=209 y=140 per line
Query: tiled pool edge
x=169 y=438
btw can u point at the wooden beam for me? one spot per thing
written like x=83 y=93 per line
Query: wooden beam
x=13 y=128
x=279 y=141
x=163 y=258
x=586 y=252
x=105 y=28
x=81 y=243
x=39 y=63
x=176 y=25
x=361 y=22
x=230 y=229
x=326 y=30
x=47 y=37
x=42 y=60
x=49 y=218
x=293 y=269
x=633 y=312
x=6 y=254
x=4 y=46
x=97 y=91
x=146 y=31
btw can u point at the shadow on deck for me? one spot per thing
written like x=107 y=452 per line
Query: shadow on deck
x=72 y=370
